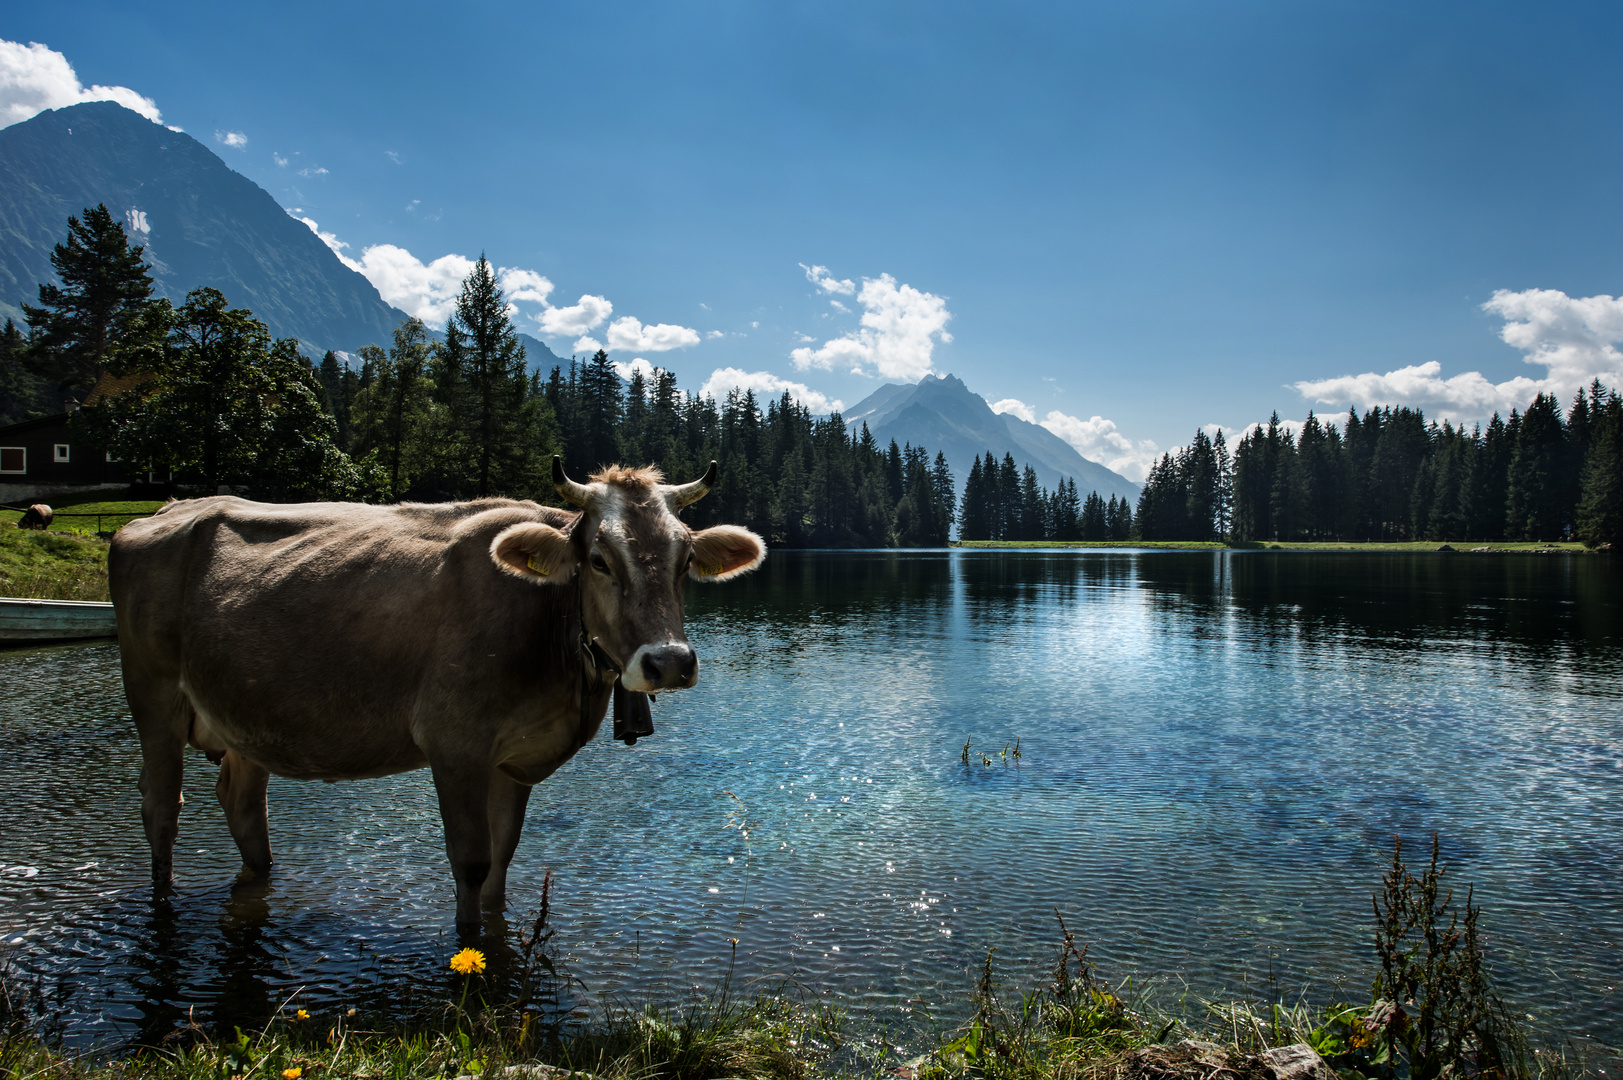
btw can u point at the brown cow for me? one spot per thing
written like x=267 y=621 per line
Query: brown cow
x=37 y=517
x=335 y=641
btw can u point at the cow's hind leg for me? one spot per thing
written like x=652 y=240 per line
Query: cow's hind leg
x=163 y=716
x=464 y=793
x=241 y=787
x=506 y=804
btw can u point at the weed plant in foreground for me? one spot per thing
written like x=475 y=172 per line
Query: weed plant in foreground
x=1432 y=1013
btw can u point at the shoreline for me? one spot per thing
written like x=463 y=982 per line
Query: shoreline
x=1439 y=547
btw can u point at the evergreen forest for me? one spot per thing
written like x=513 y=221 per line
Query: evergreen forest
x=200 y=391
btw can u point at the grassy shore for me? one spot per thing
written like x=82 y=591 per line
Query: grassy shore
x=52 y=565
x=91 y=516
x=1432 y=1013
x=1464 y=546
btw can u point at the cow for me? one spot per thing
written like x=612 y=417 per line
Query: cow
x=36 y=517
x=335 y=641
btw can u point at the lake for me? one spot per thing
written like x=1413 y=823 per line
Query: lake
x=1216 y=750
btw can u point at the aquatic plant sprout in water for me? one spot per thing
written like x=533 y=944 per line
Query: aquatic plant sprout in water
x=1215 y=752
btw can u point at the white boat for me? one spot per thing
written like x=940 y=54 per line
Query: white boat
x=23 y=621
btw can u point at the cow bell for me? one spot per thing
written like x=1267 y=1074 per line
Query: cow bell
x=632 y=717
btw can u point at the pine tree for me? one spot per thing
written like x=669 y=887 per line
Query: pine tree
x=1600 y=502
x=1535 y=499
x=1068 y=512
x=23 y=394
x=1225 y=485
x=76 y=330
x=494 y=406
x=1094 y=525
x=394 y=418
x=942 y=495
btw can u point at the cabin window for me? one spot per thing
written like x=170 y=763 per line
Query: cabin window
x=61 y=451
x=13 y=459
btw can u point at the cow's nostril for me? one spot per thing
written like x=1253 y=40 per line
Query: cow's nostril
x=650 y=669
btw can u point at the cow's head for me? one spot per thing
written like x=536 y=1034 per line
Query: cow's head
x=632 y=553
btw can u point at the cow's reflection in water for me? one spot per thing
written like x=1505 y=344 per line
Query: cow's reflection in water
x=246 y=978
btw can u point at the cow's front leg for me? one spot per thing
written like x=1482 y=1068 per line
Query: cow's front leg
x=241 y=788
x=162 y=718
x=508 y=798
x=464 y=794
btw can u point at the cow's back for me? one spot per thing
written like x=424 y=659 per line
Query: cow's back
x=308 y=635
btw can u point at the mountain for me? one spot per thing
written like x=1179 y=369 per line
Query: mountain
x=202 y=224
x=943 y=414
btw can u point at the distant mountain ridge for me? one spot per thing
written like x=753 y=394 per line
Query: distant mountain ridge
x=201 y=222
x=943 y=414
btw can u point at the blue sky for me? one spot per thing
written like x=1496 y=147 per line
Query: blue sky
x=1131 y=220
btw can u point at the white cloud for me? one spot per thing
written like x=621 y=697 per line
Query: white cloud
x=236 y=140
x=1017 y=407
x=332 y=241
x=1574 y=340
x=429 y=291
x=900 y=328
x=1098 y=439
x=313 y=170
x=426 y=290
x=585 y=314
x=524 y=286
x=281 y=162
x=138 y=222
x=766 y=385
x=841 y=308
x=714 y=334
x=819 y=276
x=34 y=78
x=625 y=371
x=627 y=334
x=392 y=156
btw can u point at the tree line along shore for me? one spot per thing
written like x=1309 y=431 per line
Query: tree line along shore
x=1388 y=477
x=201 y=392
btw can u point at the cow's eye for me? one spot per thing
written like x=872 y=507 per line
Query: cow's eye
x=599 y=563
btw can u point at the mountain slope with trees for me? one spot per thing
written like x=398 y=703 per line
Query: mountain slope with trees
x=944 y=413
x=202 y=224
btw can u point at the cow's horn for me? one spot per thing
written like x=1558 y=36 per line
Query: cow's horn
x=679 y=495
x=568 y=490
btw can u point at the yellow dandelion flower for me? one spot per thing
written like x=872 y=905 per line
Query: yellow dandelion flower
x=301 y=1015
x=468 y=962
x=292 y=1074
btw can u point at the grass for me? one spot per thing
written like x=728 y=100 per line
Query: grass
x=52 y=565
x=92 y=516
x=1445 y=1021
x=1300 y=545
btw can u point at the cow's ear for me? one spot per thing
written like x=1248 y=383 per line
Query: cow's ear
x=535 y=551
x=725 y=551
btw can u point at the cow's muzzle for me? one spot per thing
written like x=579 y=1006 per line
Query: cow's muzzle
x=654 y=668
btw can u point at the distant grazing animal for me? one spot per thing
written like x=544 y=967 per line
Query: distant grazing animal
x=37 y=517
x=334 y=641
